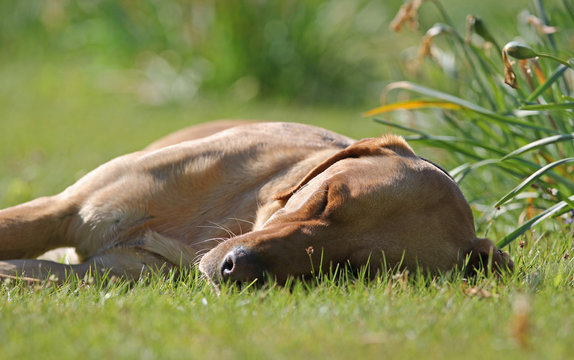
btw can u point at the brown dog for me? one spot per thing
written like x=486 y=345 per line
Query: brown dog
x=276 y=198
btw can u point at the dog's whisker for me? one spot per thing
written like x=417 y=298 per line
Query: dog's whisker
x=226 y=229
x=242 y=220
x=217 y=240
x=218 y=227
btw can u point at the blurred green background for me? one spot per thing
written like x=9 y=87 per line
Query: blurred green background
x=82 y=81
x=165 y=52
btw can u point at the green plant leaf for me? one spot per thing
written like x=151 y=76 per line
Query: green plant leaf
x=552 y=106
x=539 y=143
x=530 y=180
x=401 y=127
x=551 y=80
x=533 y=222
x=500 y=119
x=453 y=139
x=413 y=105
x=460 y=171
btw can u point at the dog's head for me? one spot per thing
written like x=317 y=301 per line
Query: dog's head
x=373 y=202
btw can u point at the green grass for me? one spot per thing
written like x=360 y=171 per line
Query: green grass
x=68 y=106
x=529 y=314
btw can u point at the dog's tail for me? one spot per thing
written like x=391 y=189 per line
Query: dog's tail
x=484 y=254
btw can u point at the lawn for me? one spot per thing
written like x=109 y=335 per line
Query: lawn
x=529 y=314
x=67 y=109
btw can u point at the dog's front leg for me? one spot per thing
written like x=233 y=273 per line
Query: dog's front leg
x=127 y=263
x=33 y=269
x=32 y=228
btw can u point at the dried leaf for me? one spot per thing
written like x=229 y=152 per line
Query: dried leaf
x=424 y=49
x=530 y=209
x=477 y=292
x=470 y=21
x=538 y=71
x=426 y=42
x=509 y=75
x=527 y=72
x=412 y=105
x=540 y=26
x=407 y=14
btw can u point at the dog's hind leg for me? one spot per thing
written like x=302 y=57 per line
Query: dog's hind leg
x=32 y=228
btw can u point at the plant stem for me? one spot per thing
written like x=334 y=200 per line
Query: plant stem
x=561 y=61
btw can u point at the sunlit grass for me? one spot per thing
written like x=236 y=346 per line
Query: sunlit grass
x=528 y=313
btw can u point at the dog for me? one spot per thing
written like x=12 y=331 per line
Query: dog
x=251 y=200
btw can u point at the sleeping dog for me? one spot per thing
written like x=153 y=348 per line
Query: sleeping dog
x=248 y=199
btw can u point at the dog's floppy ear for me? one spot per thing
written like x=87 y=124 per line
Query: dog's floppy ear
x=384 y=145
x=484 y=254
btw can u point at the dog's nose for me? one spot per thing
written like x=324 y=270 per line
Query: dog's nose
x=239 y=265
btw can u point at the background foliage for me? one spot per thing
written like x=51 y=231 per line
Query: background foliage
x=329 y=51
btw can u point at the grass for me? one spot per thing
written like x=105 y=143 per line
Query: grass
x=68 y=107
x=525 y=315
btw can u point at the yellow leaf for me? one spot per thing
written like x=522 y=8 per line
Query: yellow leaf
x=412 y=105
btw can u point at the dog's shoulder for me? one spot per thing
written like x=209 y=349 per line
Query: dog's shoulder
x=289 y=134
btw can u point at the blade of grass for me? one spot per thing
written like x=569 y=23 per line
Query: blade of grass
x=443 y=139
x=530 y=180
x=533 y=222
x=445 y=142
x=413 y=105
x=551 y=80
x=515 y=170
x=437 y=141
x=539 y=143
x=500 y=119
x=552 y=106
x=461 y=171
x=401 y=127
